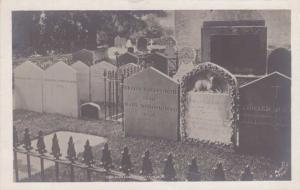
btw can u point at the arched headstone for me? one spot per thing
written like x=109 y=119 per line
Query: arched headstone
x=208 y=106
x=28 y=87
x=83 y=80
x=90 y=110
x=60 y=90
x=280 y=60
x=142 y=44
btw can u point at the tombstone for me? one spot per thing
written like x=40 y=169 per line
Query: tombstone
x=60 y=90
x=186 y=55
x=238 y=46
x=90 y=110
x=28 y=87
x=129 y=44
x=83 y=80
x=84 y=55
x=97 y=80
x=280 y=60
x=265 y=115
x=208 y=96
x=170 y=42
x=158 y=61
x=151 y=105
x=142 y=44
x=127 y=58
x=170 y=52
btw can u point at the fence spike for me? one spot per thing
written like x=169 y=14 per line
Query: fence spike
x=27 y=141
x=88 y=154
x=106 y=160
x=219 y=173
x=71 y=152
x=247 y=174
x=55 y=147
x=169 y=172
x=126 y=166
x=147 y=169
x=41 y=147
x=193 y=173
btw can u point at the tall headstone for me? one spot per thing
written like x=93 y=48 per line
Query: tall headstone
x=151 y=105
x=28 y=87
x=97 y=80
x=84 y=55
x=265 y=115
x=280 y=60
x=127 y=58
x=158 y=61
x=238 y=46
x=83 y=80
x=208 y=104
x=60 y=90
x=142 y=44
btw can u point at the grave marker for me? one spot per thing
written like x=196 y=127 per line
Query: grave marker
x=142 y=44
x=208 y=104
x=280 y=60
x=90 y=110
x=151 y=105
x=83 y=80
x=60 y=90
x=127 y=58
x=158 y=61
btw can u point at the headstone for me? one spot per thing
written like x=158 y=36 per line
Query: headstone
x=97 y=80
x=170 y=52
x=127 y=58
x=265 y=115
x=129 y=44
x=83 y=80
x=238 y=46
x=186 y=55
x=90 y=110
x=151 y=105
x=280 y=60
x=84 y=55
x=170 y=42
x=208 y=104
x=28 y=87
x=60 y=90
x=158 y=61
x=142 y=44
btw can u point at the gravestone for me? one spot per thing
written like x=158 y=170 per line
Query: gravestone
x=151 y=105
x=238 y=46
x=170 y=52
x=142 y=44
x=90 y=110
x=60 y=90
x=280 y=60
x=265 y=115
x=83 y=80
x=84 y=55
x=28 y=87
x=158 y=61
x=127 y=58
x=170 y=42
x=208 y=104
x=97 y=80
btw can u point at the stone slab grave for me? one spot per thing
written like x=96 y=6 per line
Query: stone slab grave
x=83 y=80
x=208 y=104
x=90 y=110
x=238 y=46
x=60 y=90
x=84 y=55
x=142 y=44
x=265 y=115
x=280 y=60
x=159 y=61
x=127 y=58
x=79 y=140
x=97 y=80
x=28 y=87
x=151 y=105
x=186 y=60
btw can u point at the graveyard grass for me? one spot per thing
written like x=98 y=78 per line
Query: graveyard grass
x=207 y=155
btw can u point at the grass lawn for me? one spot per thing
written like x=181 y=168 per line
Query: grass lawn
x=207 y=155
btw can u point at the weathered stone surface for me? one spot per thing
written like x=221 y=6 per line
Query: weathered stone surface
x=151 y=105
x=83 y=80
x=60 y=90
x=265 y=114
x=28 y=87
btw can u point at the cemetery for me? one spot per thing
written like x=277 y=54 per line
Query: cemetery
x=158 y=109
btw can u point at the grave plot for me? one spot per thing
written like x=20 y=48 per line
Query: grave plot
x=97 y=80
x=265 y=115
x=151 y=105
x=83 y=80
x=60 y=90
x=208 y=104
x=280 y=60
x=28 y=87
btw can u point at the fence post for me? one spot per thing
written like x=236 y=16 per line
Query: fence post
x=71 y=156
x=122 y=100
x=113 y=93
x=56 y=153
x=109 y=94
x=15 y=144
x=28 y=147
x=41 y=148
x=104 y=74
x=117 y=94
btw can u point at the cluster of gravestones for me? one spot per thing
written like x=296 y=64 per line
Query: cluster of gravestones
x=169 y=173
